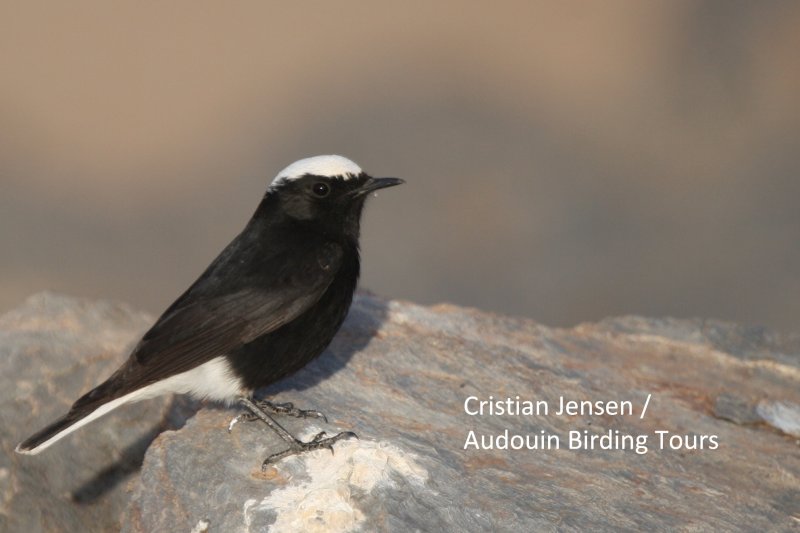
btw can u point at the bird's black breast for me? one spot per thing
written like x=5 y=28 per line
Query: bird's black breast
x=287 y=349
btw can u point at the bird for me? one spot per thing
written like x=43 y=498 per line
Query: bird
x=270 y=303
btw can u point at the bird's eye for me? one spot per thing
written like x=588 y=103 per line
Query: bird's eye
x=320 y=189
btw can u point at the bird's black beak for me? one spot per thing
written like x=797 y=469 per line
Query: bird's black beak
x=373 y=184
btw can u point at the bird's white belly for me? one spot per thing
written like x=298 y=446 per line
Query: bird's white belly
x=213 y=380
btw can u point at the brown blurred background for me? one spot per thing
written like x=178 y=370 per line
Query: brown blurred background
x=565 y=160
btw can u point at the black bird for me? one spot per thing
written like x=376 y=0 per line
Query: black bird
x=266 y=306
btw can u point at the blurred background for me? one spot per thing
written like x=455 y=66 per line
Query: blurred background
x=565 y=161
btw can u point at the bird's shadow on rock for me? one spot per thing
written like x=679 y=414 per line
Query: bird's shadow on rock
x=365 y=318
x=363 y=321
x=180 y=410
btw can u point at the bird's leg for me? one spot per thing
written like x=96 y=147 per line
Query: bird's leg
x=296 y=446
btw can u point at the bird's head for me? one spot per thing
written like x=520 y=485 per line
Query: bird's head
x=328 y=190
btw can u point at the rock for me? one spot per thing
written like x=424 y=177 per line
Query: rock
x=399 y=375
x=784 y=416
x=52 y=349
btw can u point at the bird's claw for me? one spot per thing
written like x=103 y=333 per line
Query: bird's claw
x=318 y=442
x=247 y=417
x=288 y=408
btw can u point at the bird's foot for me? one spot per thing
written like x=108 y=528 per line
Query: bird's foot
x=289 y=409
x=258 y=410
x=286 y=408
x=297 y=447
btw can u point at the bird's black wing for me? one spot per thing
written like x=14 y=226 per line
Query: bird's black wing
x=231 y=304
x=204 y=324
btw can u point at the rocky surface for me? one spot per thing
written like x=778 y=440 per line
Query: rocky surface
x=52 y=349
x=399 y=375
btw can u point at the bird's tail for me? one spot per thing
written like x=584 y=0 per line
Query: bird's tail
x=89 y=407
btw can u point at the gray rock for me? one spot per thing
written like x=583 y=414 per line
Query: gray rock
x=52 y=349
x=399 y=375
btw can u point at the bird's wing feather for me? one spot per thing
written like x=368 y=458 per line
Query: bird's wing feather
x=198 y=328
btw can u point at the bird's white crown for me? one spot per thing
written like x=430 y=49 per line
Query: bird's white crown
x=321 y=165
